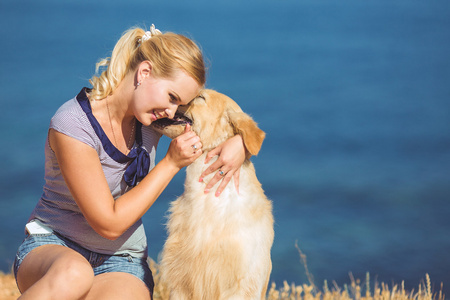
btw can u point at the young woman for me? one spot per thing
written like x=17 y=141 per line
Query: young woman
x=85 y=238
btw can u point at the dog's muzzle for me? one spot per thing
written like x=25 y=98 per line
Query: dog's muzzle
x=178 y=119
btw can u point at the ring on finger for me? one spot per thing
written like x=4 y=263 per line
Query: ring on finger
x=194 y=147
x=221 y=173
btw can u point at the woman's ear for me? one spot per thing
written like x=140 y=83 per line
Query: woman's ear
x=244 y=125
x=144 y=70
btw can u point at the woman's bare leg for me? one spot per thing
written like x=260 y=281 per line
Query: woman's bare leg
x=117 y=285
x=54 y=272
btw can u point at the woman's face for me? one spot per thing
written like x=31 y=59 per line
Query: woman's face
x=157 y=98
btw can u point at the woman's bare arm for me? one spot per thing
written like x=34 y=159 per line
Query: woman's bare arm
x=83 y=174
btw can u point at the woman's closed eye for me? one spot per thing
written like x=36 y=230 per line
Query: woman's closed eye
x=173 y=98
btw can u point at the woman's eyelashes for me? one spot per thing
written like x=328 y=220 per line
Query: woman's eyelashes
x=174 y=98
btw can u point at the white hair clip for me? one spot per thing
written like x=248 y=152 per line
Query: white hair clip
x=149 y=34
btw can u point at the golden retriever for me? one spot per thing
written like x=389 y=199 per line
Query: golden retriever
x=218 y=247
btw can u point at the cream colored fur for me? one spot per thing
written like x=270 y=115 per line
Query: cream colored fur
x=219 y=247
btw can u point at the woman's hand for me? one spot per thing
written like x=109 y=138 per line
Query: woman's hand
x=232 y=155
x=184 y=149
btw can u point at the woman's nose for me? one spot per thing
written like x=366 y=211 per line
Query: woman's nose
x=170 y=112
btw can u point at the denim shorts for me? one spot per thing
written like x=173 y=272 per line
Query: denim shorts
x=101 y=263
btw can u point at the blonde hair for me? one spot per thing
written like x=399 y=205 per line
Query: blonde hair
x=167 y=52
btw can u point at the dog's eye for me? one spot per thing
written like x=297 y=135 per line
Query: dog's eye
x=202 y=97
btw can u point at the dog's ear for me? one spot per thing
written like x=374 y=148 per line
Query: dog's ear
x=244 y=125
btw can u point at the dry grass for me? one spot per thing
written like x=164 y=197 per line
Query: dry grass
x=357 y=290
x=8 y=288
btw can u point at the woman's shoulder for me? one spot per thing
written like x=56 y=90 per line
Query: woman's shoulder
x=71 y=120
x=74 y=110
x=69 y=109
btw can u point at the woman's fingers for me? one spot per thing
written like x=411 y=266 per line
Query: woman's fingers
x=185 y=149
x=231 y=156
x=226 y=179
x=211 y=154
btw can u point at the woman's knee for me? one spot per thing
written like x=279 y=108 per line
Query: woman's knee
x=71 y=273
x=56 y=270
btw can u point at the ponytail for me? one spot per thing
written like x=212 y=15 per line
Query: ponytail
x=167 y=52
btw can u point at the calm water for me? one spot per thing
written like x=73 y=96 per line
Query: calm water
x=354 y=97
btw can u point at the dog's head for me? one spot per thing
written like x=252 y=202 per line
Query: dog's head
x=215 y=118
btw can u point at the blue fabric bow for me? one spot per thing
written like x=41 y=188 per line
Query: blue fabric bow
x=138 y=157
x=138 y=167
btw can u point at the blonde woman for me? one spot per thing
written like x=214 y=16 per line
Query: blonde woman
x=85 y=238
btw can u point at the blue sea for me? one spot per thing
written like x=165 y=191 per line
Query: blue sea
x=354 y=97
